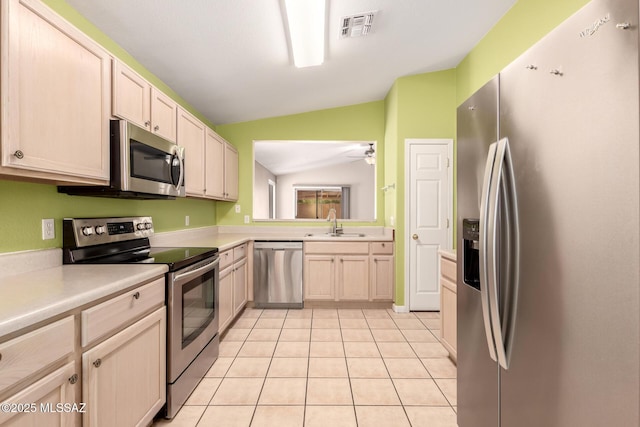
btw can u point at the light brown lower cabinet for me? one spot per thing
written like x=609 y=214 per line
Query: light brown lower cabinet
x=43 y=403
x=234 y=282
x=348 y=271
x=124 y=377
x=448 y=304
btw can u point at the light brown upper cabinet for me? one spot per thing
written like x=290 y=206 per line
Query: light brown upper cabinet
x=221 y=168
x=191 y=135
x=136 y=100
x=55 y=97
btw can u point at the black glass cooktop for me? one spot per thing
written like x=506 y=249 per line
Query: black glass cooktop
x=177 y=258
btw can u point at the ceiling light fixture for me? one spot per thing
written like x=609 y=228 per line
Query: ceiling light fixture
x=306 y=20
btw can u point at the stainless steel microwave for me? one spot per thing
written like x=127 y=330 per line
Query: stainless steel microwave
x=143 y=166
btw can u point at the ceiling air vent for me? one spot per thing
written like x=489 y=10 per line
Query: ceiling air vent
x=357 y=25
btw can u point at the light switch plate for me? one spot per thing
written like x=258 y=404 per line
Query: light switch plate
x=237 y=208
x=186 y=220
x=48 y=229
x=246 y=219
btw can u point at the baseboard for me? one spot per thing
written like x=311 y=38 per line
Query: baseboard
x=400 y=308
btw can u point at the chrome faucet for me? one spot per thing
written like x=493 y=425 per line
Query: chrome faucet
x=334 y=226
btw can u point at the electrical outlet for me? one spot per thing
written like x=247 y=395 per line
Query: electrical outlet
x=246 y=219
x=186 y=220
x=392 y=221
x=48 y=229
x=237 y=208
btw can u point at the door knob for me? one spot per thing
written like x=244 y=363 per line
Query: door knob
x=414 y=237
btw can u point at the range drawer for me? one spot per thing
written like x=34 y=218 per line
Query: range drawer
x=101 y=320
x=382 y=248
x=31 y=352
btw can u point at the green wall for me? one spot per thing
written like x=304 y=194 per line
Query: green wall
x=521 y=27
x=425 y=108
x=357 y=122
x=23 y=205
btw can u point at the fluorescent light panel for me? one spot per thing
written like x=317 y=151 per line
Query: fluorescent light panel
x=306 y=20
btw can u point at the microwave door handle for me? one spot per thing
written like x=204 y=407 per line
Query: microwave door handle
x=179 y=151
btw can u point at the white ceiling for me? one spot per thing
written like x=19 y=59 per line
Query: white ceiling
x=285 y=157
x=229 y=58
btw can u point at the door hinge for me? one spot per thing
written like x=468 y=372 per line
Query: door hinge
x=448 y=162
x=447 y=222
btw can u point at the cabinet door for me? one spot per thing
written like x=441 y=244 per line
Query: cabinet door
x=239 y=286
x=225 y=303
x=191 y=132
x=43 y=397
x=319 y=277
x=55 y=97
x=131 y=96
x=124 y=378
x=230 y=172
x=382 y=278
x=214 y=173
x=353 y=277
x=448 y=317
x=163 y=115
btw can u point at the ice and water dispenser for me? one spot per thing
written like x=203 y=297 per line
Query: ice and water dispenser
x=471 y=252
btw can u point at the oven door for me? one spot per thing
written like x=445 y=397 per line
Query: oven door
x=193 y=313
x=147 y=163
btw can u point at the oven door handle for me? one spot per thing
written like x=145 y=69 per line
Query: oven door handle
x=188 y=275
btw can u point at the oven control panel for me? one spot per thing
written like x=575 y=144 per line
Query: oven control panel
x=80 y=232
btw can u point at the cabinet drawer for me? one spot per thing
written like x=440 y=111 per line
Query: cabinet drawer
x=239 y=252
x=448 y=269
x=31 y=352
x=226 y=259
x=361 y=248
x=109 y=316
x=382 y=248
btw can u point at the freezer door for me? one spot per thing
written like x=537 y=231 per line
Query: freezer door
x=569 y=107
x=477 y=374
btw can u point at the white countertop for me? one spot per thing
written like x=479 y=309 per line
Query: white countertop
x=208 y=237
x=28 y=298
x=448 y=253
x=35 y=287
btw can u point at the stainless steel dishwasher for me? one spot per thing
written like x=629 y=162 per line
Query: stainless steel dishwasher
x=277 y=274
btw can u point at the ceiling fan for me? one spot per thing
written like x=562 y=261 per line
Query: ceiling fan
x=369 y=155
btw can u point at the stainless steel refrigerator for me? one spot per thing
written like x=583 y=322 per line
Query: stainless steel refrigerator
x=549 y=230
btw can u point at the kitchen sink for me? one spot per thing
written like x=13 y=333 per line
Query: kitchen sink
x=335 y=235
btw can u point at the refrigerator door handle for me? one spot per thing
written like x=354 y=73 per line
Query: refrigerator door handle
x=505 y=227
x=483 y=242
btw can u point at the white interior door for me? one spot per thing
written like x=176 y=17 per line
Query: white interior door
x=429 y=210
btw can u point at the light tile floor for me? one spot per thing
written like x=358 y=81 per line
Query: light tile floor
x=327 y=367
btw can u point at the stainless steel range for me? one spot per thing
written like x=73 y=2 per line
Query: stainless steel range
x=191 y=296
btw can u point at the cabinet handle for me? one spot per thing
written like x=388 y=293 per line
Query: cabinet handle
x=18 y=154
x=383 y=245
x=375 y=260
x=97 y=363
x=332 y=260
x=341 y=260
x=156 y=128
x=147 y=124
x=0 y=356
x=136 y=295
x=73 y=378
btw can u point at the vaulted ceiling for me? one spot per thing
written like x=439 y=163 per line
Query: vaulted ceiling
x=230 y=58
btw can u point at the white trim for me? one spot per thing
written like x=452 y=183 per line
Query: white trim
x=408 y=142
x=400 y=308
